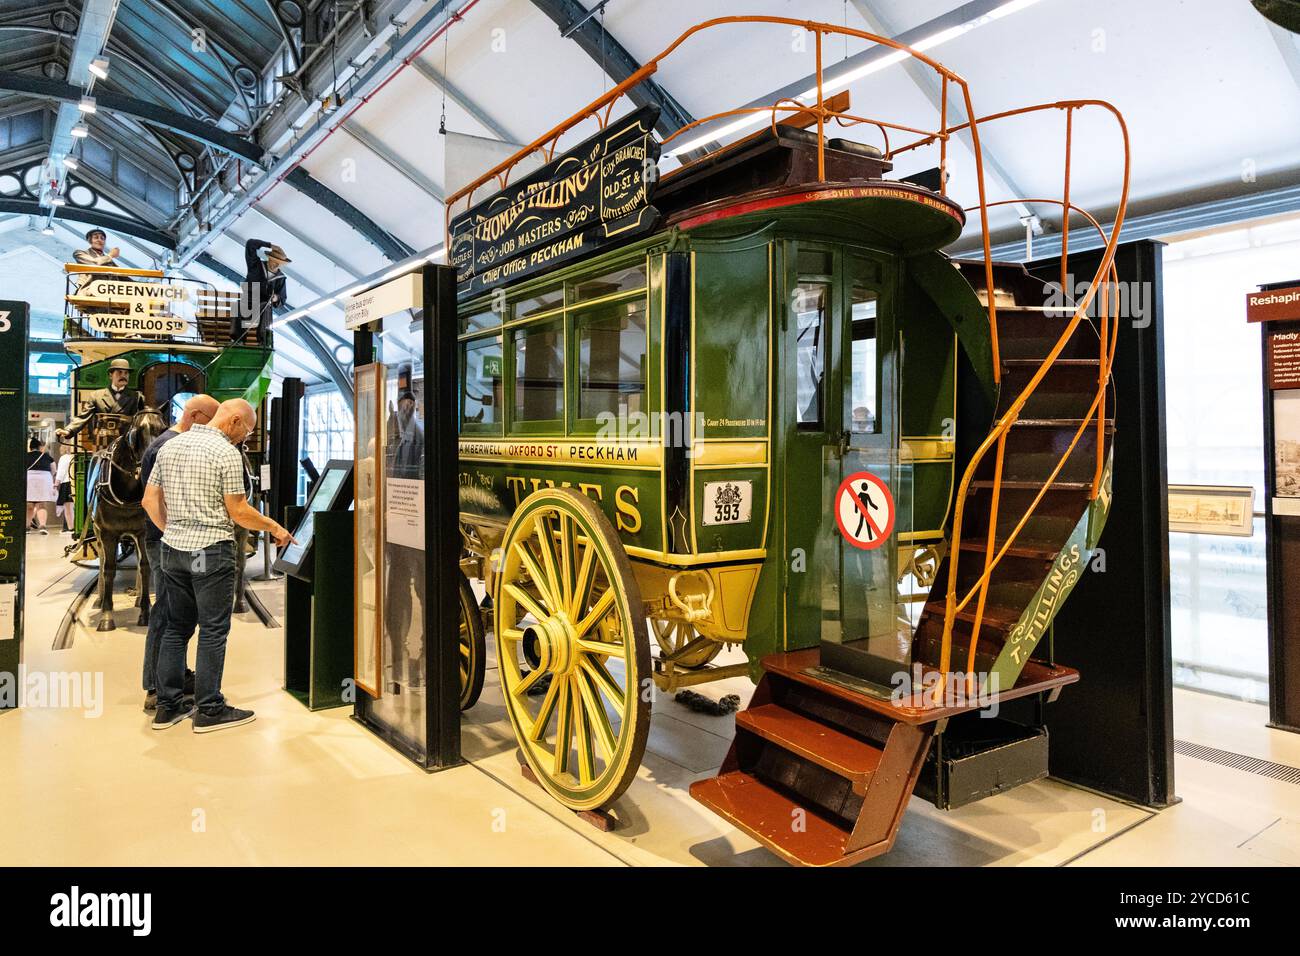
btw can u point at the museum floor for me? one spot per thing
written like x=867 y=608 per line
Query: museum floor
x=317 y=789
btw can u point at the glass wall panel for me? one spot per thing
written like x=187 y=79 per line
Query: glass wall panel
x=1214 y=414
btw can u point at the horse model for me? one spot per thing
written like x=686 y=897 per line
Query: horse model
x=118 y=511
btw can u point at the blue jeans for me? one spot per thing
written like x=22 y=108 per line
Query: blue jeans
x=200 y=588
x=157 y=615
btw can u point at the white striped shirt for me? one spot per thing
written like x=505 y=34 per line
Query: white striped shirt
x=196 y=470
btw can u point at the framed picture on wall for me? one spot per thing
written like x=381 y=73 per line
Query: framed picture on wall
x=1286 y=443
x=368 y=480
x=1212 y=509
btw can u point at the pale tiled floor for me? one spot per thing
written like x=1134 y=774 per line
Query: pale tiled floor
x=302 y=788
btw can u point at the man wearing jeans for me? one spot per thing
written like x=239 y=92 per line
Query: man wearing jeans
x=196 y=496
x=198 y=411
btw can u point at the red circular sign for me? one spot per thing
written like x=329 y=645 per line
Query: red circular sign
x=864 y=510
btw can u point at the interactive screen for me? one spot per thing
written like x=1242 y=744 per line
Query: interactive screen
x=332 y=492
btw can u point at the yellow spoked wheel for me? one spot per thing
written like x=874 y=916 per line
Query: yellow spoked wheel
x=572 y=648
x=473 y=647
x=674 y=639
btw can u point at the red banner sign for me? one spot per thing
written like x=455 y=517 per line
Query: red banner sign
x=1274 y=305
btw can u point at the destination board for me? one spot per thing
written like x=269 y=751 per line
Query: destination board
x=596 y=194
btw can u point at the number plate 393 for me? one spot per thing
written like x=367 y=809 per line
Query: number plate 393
x=728 y=502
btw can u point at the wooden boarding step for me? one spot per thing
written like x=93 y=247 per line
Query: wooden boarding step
x=818 y=773
x=821 y=773
x=846 y=756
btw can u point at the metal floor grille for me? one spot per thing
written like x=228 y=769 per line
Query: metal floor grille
x=1225 y=758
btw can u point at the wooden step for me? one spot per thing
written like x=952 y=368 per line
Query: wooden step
x=1027 y=549
x=825 y=746
x=1062 y=362
x=1057 y=485
x=769 y=816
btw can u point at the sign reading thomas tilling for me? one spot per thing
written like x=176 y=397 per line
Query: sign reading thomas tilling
x=595 y=194
x=864 y=510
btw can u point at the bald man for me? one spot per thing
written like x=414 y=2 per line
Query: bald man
x=199 y=410
x=196 y=496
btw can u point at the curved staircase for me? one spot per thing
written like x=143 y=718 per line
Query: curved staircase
x=821 y=771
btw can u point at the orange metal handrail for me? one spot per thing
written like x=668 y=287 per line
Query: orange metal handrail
x=997 y=436
x=601 y=109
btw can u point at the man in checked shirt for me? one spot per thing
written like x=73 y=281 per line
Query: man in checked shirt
x=196 y=496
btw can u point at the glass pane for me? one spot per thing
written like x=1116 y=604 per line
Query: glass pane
x=624 y=280
x=478 y=320
x=1218 y=584
x=480 y=395
x=368 y=555
x=539 y=373
x=612 y=355
x=539 y=303
x=862 y=413
x=869 y=626
x=814 y=262
x=810 y=317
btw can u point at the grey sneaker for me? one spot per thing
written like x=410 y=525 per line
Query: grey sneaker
x=171 y=716
x=226 y=717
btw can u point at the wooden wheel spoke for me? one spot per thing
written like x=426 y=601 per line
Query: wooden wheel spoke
x=566 y=560
x=603 y=679
x=543 y=718
x=528 y=680
x=539 y=579
x=597 y=717
x=524 y=598
x=598 y=610
x=563 y=729
x=582 y=728
x=579 y=597
x=542 y=531
x=512 y=634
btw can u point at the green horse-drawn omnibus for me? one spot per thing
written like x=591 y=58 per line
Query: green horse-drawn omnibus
x=781 y=418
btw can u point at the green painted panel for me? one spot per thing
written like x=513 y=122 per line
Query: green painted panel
x=630 y=498
x=729 y=348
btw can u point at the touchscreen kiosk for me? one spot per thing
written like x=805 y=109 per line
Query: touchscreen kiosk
x=333 y=492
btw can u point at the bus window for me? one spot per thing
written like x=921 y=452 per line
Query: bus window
x=547 y=301
x=480 y=391
x=624 y=280
x=863 y=410
x=539 y=372
x=611 y=359
x=810 y=362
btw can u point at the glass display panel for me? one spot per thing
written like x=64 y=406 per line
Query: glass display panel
x=611 y=359
x=368 y=453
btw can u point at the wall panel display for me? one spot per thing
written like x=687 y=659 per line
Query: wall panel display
x=1286 y=442
x=368 y=482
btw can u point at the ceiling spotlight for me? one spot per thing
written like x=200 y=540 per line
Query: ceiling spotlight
x=99 y=67
x=69 y=163
x=58 y=201
x=87 y=104
x=80 y=131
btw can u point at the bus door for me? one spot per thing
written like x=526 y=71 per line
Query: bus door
x=871 y=639
x=810 y=423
